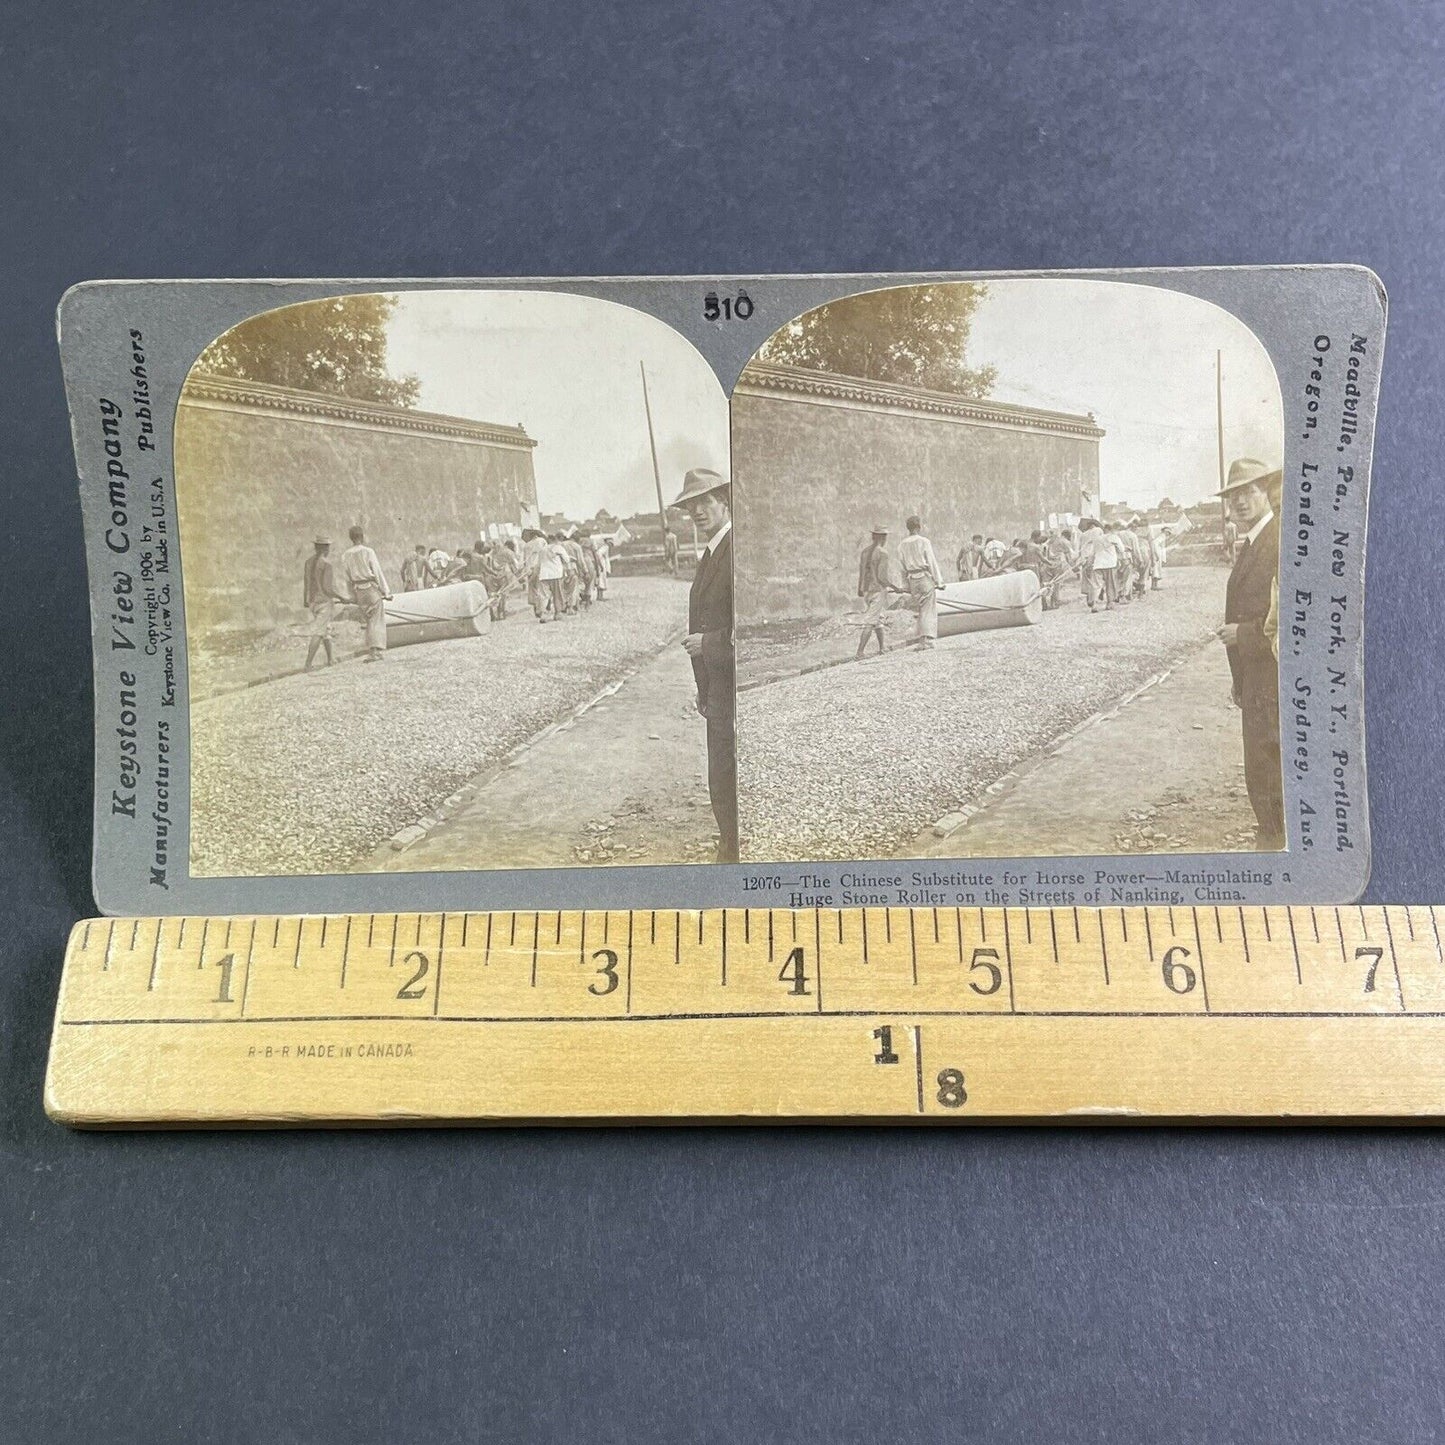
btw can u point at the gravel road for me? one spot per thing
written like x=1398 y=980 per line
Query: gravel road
x=852 y=761
x=310 y=774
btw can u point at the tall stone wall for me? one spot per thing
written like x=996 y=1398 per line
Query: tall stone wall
x=817 y=459
x=263 y=470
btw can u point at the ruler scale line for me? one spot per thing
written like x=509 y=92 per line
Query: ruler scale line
x=780 y=1015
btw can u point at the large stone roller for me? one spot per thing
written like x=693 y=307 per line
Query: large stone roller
x=1012 y=599
x=457 y=610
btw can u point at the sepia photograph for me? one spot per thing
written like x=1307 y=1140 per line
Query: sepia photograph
x=1006 y=576
x=458 y=588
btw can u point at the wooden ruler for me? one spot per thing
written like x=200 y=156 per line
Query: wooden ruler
x=939 y=1015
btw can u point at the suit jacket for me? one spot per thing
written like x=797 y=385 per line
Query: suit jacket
x=710 y=612
x=1246 y=604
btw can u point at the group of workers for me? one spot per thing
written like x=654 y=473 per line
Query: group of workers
x=560 y=575
x=1114 y=563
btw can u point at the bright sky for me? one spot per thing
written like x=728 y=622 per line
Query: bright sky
x=566 y=368
x=1142 y=360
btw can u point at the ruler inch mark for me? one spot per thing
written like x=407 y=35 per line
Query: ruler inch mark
x=1299 y=976
x=1148 y=934
x=1244 y=934
x=818 y=948
x=918 y=1062
x=1008 y=954
x=250 y=964
x=627 y=1000
x=436 y=1000
x=1394 y=959
x=345 y=950
x=1103 y=947
x=1054 y=935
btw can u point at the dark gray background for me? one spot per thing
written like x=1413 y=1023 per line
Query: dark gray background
x=707 y=1284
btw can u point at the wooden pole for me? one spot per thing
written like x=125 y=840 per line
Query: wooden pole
x=656 y=470
x=1219 y=427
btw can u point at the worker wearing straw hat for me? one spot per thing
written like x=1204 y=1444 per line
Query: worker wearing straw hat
x=1252 y=662
x=707 y=498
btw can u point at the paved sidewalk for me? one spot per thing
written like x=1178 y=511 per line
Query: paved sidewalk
x=625 y=782
x=1162 y=773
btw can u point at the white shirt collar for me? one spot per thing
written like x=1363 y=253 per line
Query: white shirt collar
x=1258 y=527
x=712 y=542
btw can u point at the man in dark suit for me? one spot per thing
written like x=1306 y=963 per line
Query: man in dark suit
x=707 y=498
x=1251 y=658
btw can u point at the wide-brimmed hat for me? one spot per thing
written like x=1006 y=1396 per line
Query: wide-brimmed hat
x=321 y=542
x=879 y=530
x=1248 y=472
x=699 y=482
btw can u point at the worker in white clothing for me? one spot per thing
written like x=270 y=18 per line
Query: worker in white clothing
x=922 y=578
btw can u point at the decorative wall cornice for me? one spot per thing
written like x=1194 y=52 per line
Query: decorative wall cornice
x=829 y=388
x=218 y=393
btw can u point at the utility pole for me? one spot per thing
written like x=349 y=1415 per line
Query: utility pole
x=656 y=470
x=1219 y=426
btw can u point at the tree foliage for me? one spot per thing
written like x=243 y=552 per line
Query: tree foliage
x=336 y=346
x=912 y=335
